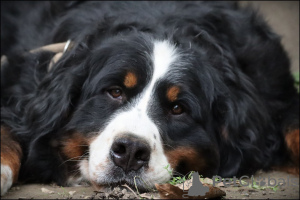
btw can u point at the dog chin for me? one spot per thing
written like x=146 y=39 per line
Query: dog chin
x=114 y=176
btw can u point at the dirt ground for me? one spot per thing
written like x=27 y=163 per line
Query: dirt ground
x=290 y=190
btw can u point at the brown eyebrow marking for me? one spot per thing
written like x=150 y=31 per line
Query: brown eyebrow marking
x=172 y=93
x=130 y=80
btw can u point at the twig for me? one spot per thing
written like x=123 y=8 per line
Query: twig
x=125 y=185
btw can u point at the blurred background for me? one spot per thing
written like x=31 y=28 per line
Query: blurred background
x=283 y=16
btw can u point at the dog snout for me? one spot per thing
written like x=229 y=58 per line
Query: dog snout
x=130 y=153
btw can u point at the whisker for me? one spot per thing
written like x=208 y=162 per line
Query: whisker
x=80 y=158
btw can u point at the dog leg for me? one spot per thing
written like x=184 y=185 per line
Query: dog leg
x=292 y=142
x=11 y=154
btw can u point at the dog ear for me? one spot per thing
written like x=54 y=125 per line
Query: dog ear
x=47 y=111
x=241 y=120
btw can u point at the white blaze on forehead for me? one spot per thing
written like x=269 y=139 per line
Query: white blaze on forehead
x=134 y=121
x=163 y=56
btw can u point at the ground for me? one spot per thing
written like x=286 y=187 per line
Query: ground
x=51 y=191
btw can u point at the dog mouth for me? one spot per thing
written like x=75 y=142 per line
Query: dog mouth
x=134 y=179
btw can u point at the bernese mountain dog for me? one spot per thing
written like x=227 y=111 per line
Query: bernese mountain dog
x=104 y=92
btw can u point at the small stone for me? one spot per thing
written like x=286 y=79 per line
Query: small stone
x=87 y=197
x=264 y=193
x=272 y=182
x=246 y=194
x=81 y=196
x=102 y=195
x=72 y=193
x=45 y=190
x=124 y=191
x=271 y=192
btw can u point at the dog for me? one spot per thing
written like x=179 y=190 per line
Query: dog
x=103 y=92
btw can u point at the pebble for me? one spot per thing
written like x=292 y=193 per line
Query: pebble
x=87 y=197
x=131 y=196
x=246 y=194
x=81 y=196
x=102 y=195
x=124 y=191
x=45 y=190
x=264 y=193
x=72 y=193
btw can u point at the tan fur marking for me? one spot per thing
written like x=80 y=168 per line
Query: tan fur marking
x=172 y=93
x=224 y=133
x=75 y=145
x=292 y=141
x=130 y=80
x=11 y=152
x=193 y=160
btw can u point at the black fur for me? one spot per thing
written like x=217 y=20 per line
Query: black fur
x=235 y=76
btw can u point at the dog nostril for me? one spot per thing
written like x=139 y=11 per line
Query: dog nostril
x=130 y=153
x=119 y=149
x=142 y=155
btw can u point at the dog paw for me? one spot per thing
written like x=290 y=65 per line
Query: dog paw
x=6 y=178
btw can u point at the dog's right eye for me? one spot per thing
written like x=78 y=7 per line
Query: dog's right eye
x=115 y=93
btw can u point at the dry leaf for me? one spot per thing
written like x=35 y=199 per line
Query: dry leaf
x=208 y=181
x=168 y=191
x=147 y=196
x=186 y=185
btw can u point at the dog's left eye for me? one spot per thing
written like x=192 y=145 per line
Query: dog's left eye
x=177 y=109
x=116 y=93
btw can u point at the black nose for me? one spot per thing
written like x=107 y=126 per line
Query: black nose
x=130 y=153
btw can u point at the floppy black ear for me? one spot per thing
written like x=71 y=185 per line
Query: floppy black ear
x=241 y=121
x=45 y=114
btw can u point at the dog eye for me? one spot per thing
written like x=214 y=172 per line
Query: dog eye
x=177 y=109
x=115 y=93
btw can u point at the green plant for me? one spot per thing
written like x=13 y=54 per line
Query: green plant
x=178 y=179
x=254 y=185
